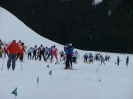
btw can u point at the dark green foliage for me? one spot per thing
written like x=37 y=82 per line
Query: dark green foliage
x=107 y=26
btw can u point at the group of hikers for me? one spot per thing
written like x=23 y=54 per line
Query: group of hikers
x=16 y=50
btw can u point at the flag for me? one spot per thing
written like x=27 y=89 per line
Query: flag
x=38 y=79
x=48 y=66
x=50 y=72
x=15 y=92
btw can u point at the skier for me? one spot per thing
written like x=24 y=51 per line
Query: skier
x=38 y=54
x=102 y=60
x=74 y=59
x=29 y=53
x=4 y=51
x=55 y=51
x=1 y=52
x=90 y=57
x=127 y=60
x=69 y=50
x=106 y=58
x=42 y=51
x=34 y=52
x=61 y=55
x=50 y=53
x=46 y=52
x=19 y=44
x=96 y=57
x=13 y=49
x=78 y=56
x=1 y=43
x=118 y=60
x=21 y=52
x=85 y=58
x=109 y=58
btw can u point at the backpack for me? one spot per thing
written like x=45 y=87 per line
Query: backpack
x=85 y=55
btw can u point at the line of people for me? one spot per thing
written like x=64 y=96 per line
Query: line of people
x=89 y=58
x=17 y=50
x=46 y=53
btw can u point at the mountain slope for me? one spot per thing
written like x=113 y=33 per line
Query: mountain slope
x=11 y=28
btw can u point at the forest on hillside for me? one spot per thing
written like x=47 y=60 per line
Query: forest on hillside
x=107 y=26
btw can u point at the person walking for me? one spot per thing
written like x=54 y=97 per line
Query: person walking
x=13 y=50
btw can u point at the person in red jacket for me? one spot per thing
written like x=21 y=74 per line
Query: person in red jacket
x=55 y=53
x=13 y=50
x=21 y=51
x=19 y=44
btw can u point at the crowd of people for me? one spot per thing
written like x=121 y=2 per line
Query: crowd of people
x=17 y=50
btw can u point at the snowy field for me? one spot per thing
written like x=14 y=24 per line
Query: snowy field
x=80 y=83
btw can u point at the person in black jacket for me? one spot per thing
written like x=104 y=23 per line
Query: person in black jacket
x=42 y=51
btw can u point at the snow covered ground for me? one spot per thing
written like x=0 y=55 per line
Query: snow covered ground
x=80 y=83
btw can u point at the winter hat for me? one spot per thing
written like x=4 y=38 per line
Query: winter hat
x=70 y=44
x=22 y=43
x=67 y=44
x=13 y=40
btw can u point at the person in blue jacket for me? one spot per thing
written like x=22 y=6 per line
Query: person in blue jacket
x=69 y=51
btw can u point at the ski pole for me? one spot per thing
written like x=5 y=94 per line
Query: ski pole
x=81 y=58
x=3 y=64
x=21 y=65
